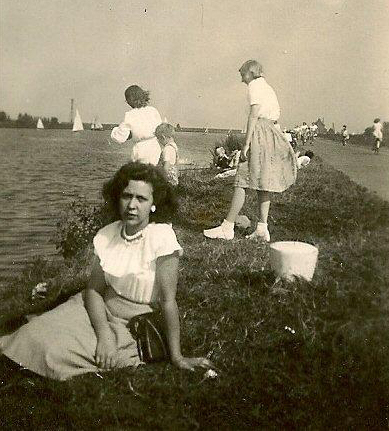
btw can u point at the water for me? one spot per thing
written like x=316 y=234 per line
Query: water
x=43 y=170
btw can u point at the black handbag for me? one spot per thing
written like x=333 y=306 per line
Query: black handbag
x=148 y=331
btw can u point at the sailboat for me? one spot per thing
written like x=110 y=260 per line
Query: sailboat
x=39 y=124
x=96 y=125
x=77 y=125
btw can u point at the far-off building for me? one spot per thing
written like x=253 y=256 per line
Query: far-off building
x=321 y=128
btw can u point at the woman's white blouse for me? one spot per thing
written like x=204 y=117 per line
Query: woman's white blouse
x=262 y=94
x=129 y=266
x=141 y=122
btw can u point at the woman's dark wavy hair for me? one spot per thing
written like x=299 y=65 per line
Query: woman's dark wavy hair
x=163 y=194
x=136 y=97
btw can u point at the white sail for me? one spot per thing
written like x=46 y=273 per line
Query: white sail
x=77 y=125
x=165 y=120
x=39 y=124
x=98 y=125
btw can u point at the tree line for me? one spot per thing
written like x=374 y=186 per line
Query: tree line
x=28 y=121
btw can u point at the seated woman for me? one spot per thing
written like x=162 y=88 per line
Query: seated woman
x=134 y=271
x=224 y=161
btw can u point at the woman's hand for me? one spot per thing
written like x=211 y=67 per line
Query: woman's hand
x=191 y=363
x=243 y=153
x=106 y=352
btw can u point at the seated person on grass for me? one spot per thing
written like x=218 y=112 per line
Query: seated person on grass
x=223 y=161
x=304 y=160
x=135 y=271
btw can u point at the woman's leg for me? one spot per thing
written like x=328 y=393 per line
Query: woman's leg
x=264 y=205
x=226 y=229
x=236 y=204
x=262 y=231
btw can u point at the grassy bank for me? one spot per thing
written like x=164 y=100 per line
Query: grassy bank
x=329 y=370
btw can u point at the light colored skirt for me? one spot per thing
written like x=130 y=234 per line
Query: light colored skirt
x=271 y=165
x=147 y=151
x=61 y=343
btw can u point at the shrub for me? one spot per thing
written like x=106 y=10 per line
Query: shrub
x=77 y=226
x=231 y=143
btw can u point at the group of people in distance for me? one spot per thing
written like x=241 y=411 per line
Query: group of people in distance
x=136 y=257
x=305 y=133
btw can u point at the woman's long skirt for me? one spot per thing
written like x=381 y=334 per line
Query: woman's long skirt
x=271 y=165
x=61 y=343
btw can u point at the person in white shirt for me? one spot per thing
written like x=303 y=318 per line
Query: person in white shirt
x=297 y=131
x=304 y=160
x=345 y=135
x=377 y=133
x=304 y=132
x=288 y=136
x=169 y=153
x=313 y=132
x=267 y=160
x=140 y=122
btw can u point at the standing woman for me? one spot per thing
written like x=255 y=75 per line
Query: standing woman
x=268 y=162
x=140 y=122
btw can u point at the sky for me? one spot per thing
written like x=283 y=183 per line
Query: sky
x=324 y=58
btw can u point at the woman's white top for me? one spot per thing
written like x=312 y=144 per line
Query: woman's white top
x=141 y=122
x=169 y=153
x=130 y=266
x=377 y=130
x=262 y=94
x=303 y=161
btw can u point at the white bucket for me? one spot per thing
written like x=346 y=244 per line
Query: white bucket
x=293 y=258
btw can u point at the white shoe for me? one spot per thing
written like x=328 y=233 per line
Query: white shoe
x=221 y=232
x=261 y=232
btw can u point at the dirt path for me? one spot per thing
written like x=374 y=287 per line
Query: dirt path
x=359 y=163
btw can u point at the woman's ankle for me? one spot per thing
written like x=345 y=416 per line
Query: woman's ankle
x=228 y=224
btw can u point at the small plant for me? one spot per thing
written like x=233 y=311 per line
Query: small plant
x=231 y=143
x=78 y=225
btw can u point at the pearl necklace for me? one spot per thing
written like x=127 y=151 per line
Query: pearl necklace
x=130 y=238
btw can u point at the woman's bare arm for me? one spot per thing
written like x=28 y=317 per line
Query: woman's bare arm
x=251 y=121
x=167 y=270
x=94 y=303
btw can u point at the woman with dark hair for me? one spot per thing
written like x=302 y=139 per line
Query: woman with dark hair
x=140 y=122
x=134 y=272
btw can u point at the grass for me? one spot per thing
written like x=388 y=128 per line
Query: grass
x=331 y=373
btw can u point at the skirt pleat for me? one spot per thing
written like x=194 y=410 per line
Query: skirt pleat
x=271 y=165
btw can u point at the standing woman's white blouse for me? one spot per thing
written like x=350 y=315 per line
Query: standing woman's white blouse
x=141 y=123
x=262 y=94
x=130 y=265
